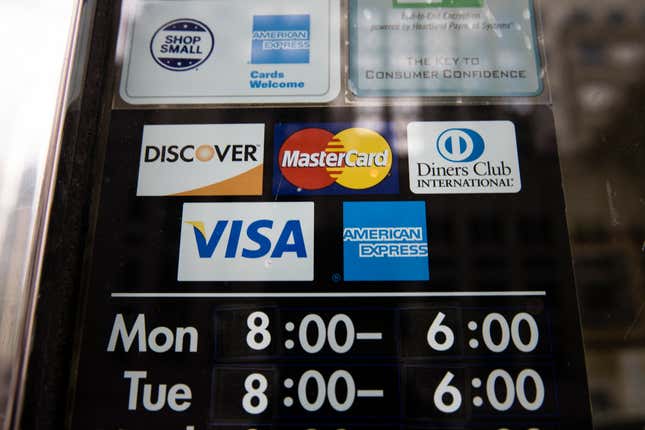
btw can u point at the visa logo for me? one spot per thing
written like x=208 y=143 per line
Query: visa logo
x=247 y=242
x=290 y=240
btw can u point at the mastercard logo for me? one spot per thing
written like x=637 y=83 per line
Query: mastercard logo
x=355 y=158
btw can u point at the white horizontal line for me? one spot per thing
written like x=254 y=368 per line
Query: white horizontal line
x=369 y=336
x=369 y=393
x=327 y=295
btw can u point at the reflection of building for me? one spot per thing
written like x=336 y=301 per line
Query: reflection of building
x=596 y=54
x=15 y=247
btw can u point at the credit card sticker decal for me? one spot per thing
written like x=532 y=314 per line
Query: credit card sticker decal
x=281 y=39
x=247 y=242
x=385 y=241
x=193 y=52
x=444 y=48
x=334 y=159
x=201 y=160
x=467 y=157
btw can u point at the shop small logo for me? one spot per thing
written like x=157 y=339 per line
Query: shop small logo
x=332 y=159
x=281 y=39
x=385 y=241
x=182 y=44
x=460 y=145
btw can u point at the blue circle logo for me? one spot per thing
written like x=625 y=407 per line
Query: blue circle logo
x=182 y=44
x=460 y=145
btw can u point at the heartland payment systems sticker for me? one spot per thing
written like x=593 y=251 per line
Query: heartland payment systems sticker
x=463 y=157
x=194 y=52
x=201 y=160
x=444 y=48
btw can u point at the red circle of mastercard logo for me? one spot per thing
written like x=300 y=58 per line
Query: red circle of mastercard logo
x=355 y=158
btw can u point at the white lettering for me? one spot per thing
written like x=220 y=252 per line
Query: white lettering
x=177 y=397
x=161 y=339
x=351 y=158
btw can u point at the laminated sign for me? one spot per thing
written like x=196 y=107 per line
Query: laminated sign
x=331 y=268
x=218 y=51
x=444 y=47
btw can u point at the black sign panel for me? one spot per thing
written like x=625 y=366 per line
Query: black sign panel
x=335 y=296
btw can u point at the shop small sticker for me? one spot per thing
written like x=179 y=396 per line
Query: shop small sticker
x=182 y=45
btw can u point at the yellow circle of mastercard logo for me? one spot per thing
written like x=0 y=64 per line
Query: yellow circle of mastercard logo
x=355 y=158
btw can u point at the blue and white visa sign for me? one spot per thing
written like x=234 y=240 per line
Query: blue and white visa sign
x=219 y=51
x=247 y=242
x=463 y=157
